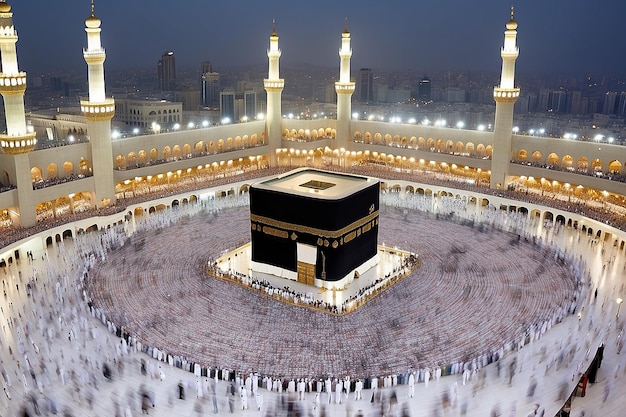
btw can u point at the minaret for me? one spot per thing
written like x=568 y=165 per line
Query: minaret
x=98 y=111
x=344 y=88
x=17 y=140
x=274 y=87
x=505 y=96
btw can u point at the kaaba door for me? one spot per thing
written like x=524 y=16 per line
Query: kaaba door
x=306 y=273
x=307 y=255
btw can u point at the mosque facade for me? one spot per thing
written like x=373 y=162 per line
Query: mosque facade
x=96 y=176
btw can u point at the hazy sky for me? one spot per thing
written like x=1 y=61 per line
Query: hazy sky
x=566 y=36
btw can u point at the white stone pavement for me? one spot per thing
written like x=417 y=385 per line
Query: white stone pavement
x=73 y=359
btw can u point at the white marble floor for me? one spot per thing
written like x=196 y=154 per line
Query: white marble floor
x=67 y=364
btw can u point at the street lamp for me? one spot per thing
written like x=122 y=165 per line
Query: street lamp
x=619 y=305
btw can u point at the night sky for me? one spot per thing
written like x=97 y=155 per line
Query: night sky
x=554 y=36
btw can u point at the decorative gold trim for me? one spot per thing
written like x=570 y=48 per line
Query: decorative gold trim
x=334 y=234
x=275 y=232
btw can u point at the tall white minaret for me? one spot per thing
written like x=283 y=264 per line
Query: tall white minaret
x=505 y=96
x=98 y=110
x=344 y=88
x=274 y=87
x=17 y=140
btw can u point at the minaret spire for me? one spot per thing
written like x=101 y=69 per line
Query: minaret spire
x=344 y=89
x=505 y=96
x=98 y=111
x=274 y=87
x=17 y=140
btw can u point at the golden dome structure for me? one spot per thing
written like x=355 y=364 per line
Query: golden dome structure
x=92 y=21
x=4 y=7
x=512 y=24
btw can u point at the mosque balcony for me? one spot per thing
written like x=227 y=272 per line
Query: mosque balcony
x=8 y=33
x=14 y=145
x=95 y=56
x=344 y=88
x=274 y=85
x=511 y=54
x=506 y=94
x=13 y=83
x=95 y=112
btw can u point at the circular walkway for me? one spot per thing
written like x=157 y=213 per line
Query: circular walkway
x=477 y=289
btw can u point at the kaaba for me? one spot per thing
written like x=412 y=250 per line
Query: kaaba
x=317 y=227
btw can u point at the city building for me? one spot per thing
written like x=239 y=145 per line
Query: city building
x=166 y=71
x=365 y=86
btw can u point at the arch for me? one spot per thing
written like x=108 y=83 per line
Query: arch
x=154 y=155
x=377 y=138
x=449 y=146
x=167 y=153
x=596 y=166
x=245 y=141
x=548 y=216
x=285 y=133
x=52 y=171
x=413 y=142
x=536 y=157
x=489 y=151
x=441 y=146
x=470 y=148
x=142 y=158
x=522 y=155
x=138 y=211
x=35 y=174
x=480 y=150
x=187 y=150
x=553 y=159
x=237 y=142
x=220 y=145
x=254 y=139
x=68 y=168
x=458 y=147
x=582 y=164
x=615 y=167
x=177 y=152
x=131 y=160
x=421 y=143
x=388 y=139
x=567 y=162
x=120 y=162
x=84 y=167
x=409 y=189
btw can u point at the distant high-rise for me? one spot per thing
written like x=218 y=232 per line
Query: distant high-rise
x=205 y=67
x=424 y=90
x=166 y=71
x=365 y=85
x=210 y=89
x=227 y=105
x=611 y=101
x=209 y=86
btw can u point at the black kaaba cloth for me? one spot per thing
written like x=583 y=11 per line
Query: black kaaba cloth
x=335 y=214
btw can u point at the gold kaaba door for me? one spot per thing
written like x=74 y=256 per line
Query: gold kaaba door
x=306 y=273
